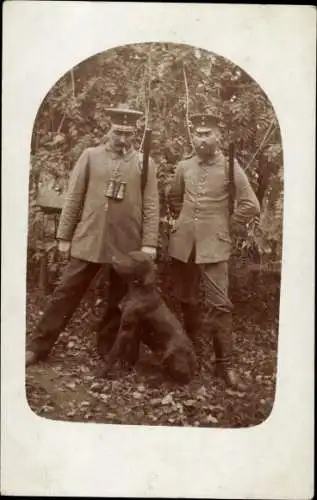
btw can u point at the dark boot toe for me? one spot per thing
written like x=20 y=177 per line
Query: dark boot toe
x=31 y=358
x=232 y=379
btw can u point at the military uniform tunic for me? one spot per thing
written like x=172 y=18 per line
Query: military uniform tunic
x=98 y=227
x=199 y=196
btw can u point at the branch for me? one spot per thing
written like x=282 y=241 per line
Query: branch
x=147 y=107
x=187 y=108
x=73 y=96
x=266 y=135
x=73 y=82
x=61 y=123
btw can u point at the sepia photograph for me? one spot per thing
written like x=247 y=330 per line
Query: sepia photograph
x=154 y=242
x=158 y=167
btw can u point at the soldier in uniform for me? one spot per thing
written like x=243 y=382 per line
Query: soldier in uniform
x=200 y=240
x=105 y=215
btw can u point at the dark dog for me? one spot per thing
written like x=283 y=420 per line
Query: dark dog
x=146 y=318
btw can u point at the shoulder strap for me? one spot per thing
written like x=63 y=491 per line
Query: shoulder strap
x=231 y=184
x=87 y=176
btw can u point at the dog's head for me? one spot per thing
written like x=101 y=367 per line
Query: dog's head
x=180 y=363
x=136 y=267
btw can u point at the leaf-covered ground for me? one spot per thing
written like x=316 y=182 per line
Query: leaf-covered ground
x=68 y=386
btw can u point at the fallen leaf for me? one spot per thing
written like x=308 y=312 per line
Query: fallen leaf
x=47 y=408
x=84 y=369
x=111 y=415
x=211 y=419
x=179 y=406
x=231 y=392
x=96 y=386
x=168 y=399
x=70 y=385
x=155 y=401
x=70 y=413
x=94 y=394
x=213 y=407
x=202 y=391
x=167 y=409
x=137 y=395
x=190 y=402
x=103 y=397
x=115 y=384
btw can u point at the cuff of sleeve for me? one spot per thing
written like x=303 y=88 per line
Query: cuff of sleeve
x=239 y=219
x=149 y=250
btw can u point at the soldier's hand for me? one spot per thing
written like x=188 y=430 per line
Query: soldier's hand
x=64 y=247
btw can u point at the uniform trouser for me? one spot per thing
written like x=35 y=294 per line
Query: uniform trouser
x=187 y=278
x=67 y=296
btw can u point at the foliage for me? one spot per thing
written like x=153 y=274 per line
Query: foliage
x=151 y=77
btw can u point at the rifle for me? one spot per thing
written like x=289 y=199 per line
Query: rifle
x=231 y=185
x=145 y=160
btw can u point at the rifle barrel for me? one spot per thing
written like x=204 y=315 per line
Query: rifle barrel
x=147 y=144
x=231 y=187
x=146 y=154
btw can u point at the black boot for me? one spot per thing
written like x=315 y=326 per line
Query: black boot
x=34 y=354
x=31 y=358
x=40 y=347
x=223 y=350
x=229 y=375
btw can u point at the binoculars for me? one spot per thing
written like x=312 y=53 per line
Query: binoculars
x=116 y=190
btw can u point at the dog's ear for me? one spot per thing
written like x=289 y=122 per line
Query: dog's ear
x=123 y=265
x=145 y=267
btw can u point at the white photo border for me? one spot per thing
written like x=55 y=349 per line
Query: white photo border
x=276 y=46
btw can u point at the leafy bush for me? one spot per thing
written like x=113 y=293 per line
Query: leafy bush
x=153 y=78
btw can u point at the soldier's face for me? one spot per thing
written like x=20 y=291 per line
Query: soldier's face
x=205 y=142
x=120 y=141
